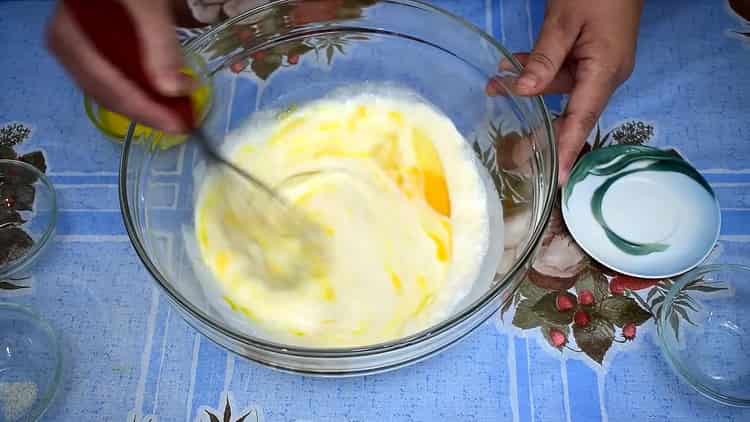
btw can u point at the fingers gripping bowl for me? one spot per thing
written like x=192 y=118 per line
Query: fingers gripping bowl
x=275 y=60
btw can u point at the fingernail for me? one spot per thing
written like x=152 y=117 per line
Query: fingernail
x=526 y=82
x=173 y=83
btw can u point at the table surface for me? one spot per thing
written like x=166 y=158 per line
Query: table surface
x=132 y=358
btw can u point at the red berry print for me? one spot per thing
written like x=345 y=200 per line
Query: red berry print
x=585 y=297
x=565 y=302
x=581 y=318
x=245 y=35
x=259 y=55
x=557 y=338
x=293 y=59
x=238 y=66
x=628 y=331
x=616 y=286
x=620 y=283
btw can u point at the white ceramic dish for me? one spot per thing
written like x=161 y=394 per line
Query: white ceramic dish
x=641 y=211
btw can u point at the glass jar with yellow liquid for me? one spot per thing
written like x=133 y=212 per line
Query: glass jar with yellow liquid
x=115 y=126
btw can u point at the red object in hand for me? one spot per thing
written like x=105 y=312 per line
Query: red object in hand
x=109 y=26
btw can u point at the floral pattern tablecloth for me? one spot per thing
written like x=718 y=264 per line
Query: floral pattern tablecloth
x=132 y=358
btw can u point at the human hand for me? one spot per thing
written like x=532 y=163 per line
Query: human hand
x=108 y=86
x=585 y=48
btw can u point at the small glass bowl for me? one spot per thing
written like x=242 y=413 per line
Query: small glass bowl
x=115 y=126
x=704 y=331
x=39 y=223
x=31 y=364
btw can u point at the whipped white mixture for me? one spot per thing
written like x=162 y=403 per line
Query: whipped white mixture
x=399 y=198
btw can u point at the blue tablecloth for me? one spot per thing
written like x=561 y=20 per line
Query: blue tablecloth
x=132 y=358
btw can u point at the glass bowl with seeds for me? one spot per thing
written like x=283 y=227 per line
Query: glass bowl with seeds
x=31 y=364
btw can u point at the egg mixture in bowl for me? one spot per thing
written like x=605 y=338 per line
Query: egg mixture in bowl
x=400 y=200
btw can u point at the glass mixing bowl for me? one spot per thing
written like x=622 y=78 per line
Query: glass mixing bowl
x=289 y=52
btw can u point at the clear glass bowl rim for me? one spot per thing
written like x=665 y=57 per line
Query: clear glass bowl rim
x=369 y=350
x=36 y=250
x=673 y=358
x=88 y=106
